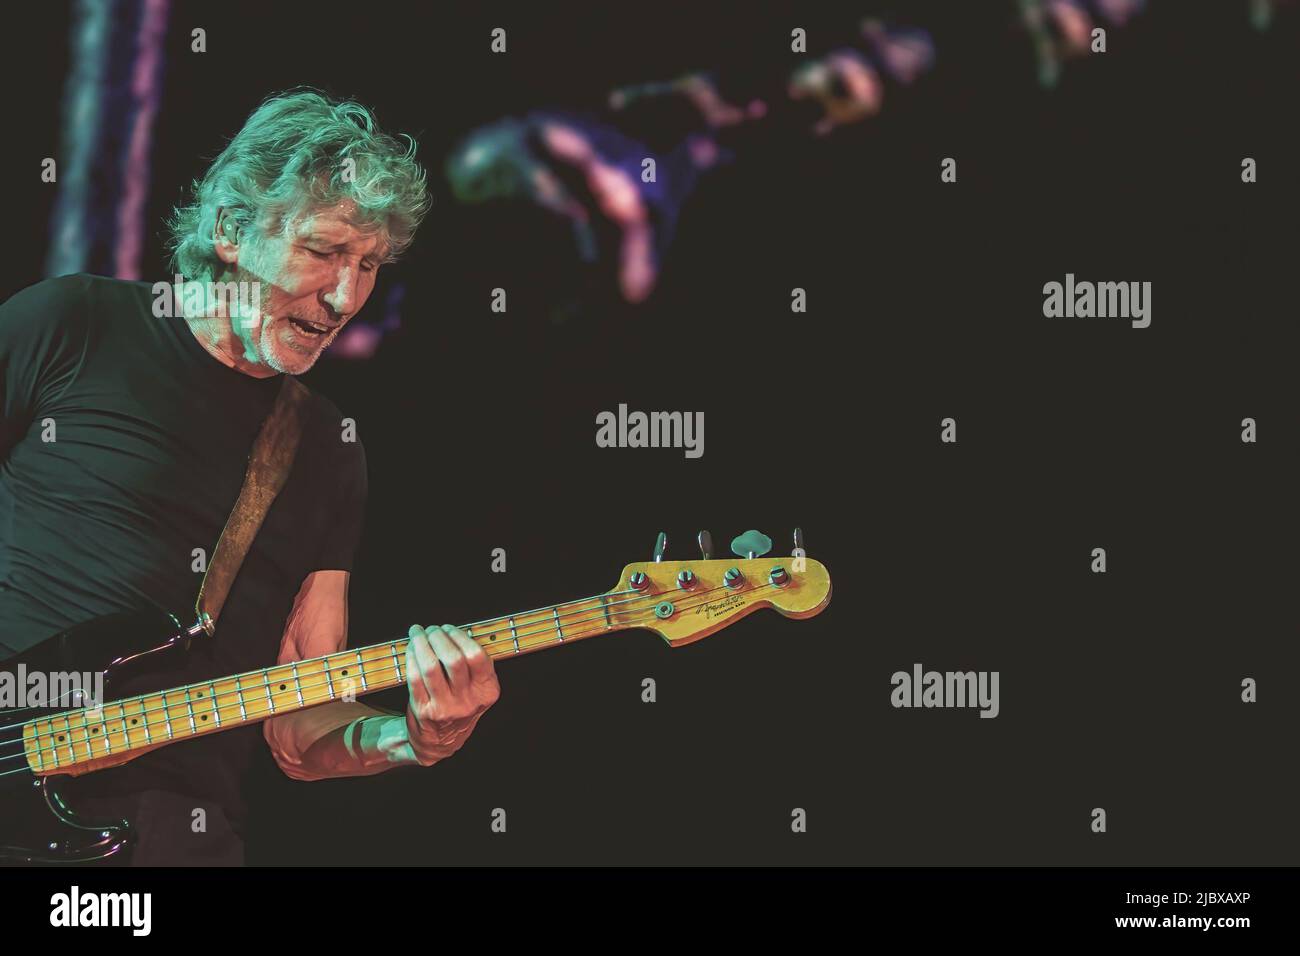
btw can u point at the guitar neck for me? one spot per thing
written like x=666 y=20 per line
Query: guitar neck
x=81 y=740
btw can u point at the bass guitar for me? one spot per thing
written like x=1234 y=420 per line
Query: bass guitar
x=42 y=748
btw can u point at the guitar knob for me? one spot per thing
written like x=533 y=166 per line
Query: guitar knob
x=779 y=577
x=733 y=578
x=686 y=579
x=751 y=544
x=661 y=546
x=706 y=544
x=639 y=581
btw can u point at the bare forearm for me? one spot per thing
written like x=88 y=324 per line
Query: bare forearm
x=339 y=740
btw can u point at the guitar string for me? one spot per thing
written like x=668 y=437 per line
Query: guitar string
x=361 y=663
x=268 y=713
x=256 y=715
x=505 y=618
x=266 y=686
x=259 y=714
x=547 y=626
x=473 y=624
x=54 y=748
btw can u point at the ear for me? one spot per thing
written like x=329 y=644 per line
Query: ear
x=225 y=238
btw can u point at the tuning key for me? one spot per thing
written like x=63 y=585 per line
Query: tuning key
x=661 y=546
x=706 y=544
x=751 y=544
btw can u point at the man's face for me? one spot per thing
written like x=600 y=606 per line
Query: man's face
x=314 y=276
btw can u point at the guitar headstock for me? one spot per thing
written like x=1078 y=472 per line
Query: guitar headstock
x=684 y=601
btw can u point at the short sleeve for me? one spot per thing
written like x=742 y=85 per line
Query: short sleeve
x=42 y=341
x=343 y=536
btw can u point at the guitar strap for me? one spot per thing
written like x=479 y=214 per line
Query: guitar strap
x=269 y=463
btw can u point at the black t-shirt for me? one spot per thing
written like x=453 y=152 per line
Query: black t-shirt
x=123 y=446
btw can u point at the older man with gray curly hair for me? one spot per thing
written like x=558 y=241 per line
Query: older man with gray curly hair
x=125 y=429
x=306 y=202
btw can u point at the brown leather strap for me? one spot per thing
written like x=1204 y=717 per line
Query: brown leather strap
x=268 y=469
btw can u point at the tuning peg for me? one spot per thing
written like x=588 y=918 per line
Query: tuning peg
x=798 y=543
x=661 y=545
x=751 y=544
x=706 y=544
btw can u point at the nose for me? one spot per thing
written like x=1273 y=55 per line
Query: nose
x=341 y=300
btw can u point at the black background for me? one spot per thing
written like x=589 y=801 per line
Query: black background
x=1119 y=690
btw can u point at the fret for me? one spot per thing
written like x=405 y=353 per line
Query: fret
x=32 y=745
x=514 y=634
x=361 y=666
x=126 y=732
x=329 y=677
x=54 y=746
x=216 y=707
x=108 y=744
x=297 y=683
x=85 y=740
x=396 y=665
x=239 y=695
x=85 y=734
x=68 y=732
x=604 y=606
x=556 y=611
x=189 y=706
x=144 y=713
x=266 y=682
x=167 y=716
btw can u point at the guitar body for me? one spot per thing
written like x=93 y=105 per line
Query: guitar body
x=37 y=822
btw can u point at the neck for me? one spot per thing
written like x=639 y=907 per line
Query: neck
x=213 y=327
x=71 y=741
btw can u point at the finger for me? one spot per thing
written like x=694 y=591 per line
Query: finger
x=452 y=660
x=480 y=665
x=424 y=675
x=414 y=680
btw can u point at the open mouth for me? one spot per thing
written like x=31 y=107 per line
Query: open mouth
x=309 y=328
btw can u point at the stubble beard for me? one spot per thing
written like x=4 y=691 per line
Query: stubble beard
x=281 y=355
